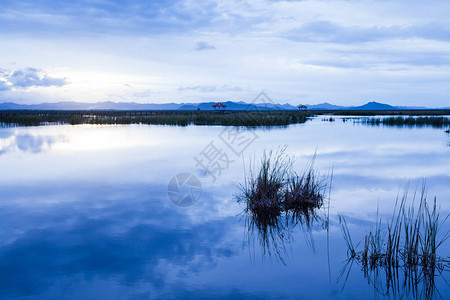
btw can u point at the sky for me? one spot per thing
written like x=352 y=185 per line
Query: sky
x=297 y=52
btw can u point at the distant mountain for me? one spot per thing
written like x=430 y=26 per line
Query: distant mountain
x=287 y=106
x=204 y=106
x=324 y=106
x=373 y=106
x=238 y=106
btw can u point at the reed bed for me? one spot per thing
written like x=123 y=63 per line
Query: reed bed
x=409 y=239
x=433 y=121
x=178 y=118
x=276 y=199
x=305 y=194
x=406 y=247
x=272 y=187
x=396 y=112
x=264 y=189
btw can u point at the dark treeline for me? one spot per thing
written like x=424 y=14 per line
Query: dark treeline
x=436 y=122
x=179 y=118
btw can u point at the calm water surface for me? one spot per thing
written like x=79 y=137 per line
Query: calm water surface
x=84 y=211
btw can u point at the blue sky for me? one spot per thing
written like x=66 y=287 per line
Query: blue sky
x=343 y=52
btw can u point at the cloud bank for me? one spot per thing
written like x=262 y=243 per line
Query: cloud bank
x=27 y=78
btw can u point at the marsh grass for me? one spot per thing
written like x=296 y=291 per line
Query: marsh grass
x=305 y=190
x=271 y=187
x=276 y=200
x=178 y=118
x=405 y=249
x=264 y=187
x=397 y=112
x=421 y=121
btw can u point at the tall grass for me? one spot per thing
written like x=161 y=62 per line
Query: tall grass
x=305 y=193
x=179 y=118
x=272 y=186
x=276 y=199
x=397 y=112
x=264 y=188
x=435 y=121
x=408 y=242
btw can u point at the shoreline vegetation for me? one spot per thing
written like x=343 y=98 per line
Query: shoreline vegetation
x=176 y=118
x=436 y=122
x=260 y=118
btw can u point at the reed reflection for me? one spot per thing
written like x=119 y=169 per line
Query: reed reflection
x=400 y=259
x=277 y=200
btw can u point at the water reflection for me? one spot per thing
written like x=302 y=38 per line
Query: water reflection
x=132 y=239
x=276 y=200
x=11 y=141
x=448 y=137
x=90 y=218
x=406 y=282
x=275 y=236
x=401 y=259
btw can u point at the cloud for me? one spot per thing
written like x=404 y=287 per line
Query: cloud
x=132 y=17
x=26 y=78
x=210 y=88
x=332 y=32
x=201 y=46
x=284 y=47
x=198 y=88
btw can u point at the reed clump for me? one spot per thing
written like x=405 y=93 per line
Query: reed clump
x=408 y=242
x=273 y=187
x=304 y=194
x=409 y=239
x=263 y=190
x=277 y=199
x=433 y=121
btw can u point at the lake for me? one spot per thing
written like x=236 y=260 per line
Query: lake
x=92 y=211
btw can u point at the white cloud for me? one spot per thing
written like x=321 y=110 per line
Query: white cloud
x=27 y=78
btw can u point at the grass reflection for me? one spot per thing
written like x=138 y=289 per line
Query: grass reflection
x=400 y=259
x=277 y=200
